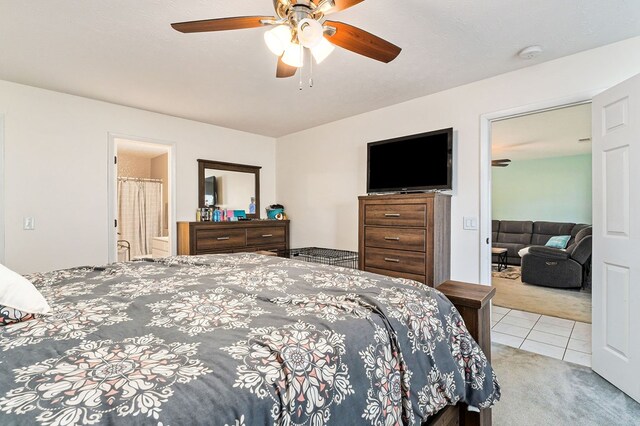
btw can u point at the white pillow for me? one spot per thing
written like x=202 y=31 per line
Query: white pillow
x=18 y=293
x=524 y=251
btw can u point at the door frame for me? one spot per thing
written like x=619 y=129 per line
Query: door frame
x=112 y=190
x=2 y=185
x=485 y=165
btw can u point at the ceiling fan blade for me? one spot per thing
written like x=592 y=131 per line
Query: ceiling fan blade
x=284 y=70
x=342 y=5
x=499 y=164
x=361 y=42
x=222 y=24
x=504 y=160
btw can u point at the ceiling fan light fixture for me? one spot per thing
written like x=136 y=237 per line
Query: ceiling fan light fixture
x=322 y=50
x=326 y=5
x=310 y=32
x=278 y=39
x=293 y=56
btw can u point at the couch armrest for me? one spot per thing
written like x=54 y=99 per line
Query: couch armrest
x=548 y=253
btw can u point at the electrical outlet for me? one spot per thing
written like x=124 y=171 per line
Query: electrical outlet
x=470 y=223
x=29 y=223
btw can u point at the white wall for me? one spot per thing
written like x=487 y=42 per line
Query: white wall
x=555 y=189
x=321 y=171
x=56 y=170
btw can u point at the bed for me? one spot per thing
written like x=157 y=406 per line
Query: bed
x=238 y=339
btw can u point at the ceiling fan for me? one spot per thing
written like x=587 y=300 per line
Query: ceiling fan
x=300 y=25
x=500 y=163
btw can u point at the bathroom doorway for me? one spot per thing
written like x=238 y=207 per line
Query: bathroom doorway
x=142 y=184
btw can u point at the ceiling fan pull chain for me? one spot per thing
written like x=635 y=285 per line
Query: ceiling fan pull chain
x=310 y=70
x=302 y=67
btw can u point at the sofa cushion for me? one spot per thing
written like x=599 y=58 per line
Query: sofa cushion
x=579 y=235
x=522 y=239
x=543 y=231
x=582 y=251
x=515 y=232
x=495 y=227
x=579 y=227
x=584 y=232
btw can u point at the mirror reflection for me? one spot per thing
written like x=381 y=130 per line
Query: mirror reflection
x=229 y=190
x=229 y=186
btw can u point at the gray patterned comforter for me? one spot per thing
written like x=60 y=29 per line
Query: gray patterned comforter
x=237 y=339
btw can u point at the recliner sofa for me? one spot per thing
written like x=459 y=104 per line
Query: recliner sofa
x=514 y=235
x=552 y=267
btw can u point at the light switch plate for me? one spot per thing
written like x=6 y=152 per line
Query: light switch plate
x=470 y=223
x=29 y=223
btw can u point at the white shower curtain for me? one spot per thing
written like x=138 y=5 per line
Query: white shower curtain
x=139 y=214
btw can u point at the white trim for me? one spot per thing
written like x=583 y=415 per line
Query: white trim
x=485 y=166
x=112 y=191
x=2 y=185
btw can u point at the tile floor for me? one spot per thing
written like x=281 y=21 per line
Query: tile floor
x=555 y=337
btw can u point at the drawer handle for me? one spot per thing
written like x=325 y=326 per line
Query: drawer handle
x=267 y=236
x=388 y=259
x=392 y=238
x=223 y=238
x=392 y=215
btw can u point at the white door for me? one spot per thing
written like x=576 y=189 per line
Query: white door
x=616 y=236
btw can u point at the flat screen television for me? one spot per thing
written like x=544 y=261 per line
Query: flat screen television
x=415 y=163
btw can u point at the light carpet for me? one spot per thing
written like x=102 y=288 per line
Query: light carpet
x=562 y=303
x=538 y=390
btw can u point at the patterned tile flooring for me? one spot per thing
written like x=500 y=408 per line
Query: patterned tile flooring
x=554 y=337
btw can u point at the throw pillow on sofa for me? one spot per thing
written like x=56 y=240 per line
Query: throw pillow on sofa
x=559 y=242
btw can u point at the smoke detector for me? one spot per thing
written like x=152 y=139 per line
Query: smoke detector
x=530 y=52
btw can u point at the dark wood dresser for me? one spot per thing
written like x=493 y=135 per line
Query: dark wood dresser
x=406 y=236
x=232 y=237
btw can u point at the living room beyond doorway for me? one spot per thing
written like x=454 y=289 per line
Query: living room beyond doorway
x=541 y=211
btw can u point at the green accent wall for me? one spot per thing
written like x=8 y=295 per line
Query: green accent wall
x=551 y=189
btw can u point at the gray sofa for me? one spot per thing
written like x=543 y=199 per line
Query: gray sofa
x=551 y=267
x=545 y=266
x=514 y=235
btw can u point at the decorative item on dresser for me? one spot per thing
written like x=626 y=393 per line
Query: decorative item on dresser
x=406 y=235
x=232 y=237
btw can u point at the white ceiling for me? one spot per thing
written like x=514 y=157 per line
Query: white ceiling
x=554 y=133
x=125 y=52
x=140 y=149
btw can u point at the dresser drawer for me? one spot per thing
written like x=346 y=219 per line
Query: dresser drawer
x=214 y=239
x=397 y=274
x=395 y=238
x=396 y=215
x=266 y=235
x=395 y=260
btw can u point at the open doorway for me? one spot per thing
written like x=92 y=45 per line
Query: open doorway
x=141 y=183
x=541 y=231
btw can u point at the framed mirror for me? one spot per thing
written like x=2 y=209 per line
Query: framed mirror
x=229 y=186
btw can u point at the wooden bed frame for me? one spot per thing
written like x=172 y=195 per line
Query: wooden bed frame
x=472 y=301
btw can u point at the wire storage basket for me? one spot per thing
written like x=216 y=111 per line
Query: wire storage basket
x=343 y=258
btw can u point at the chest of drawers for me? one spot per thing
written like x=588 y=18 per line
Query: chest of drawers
x=406 y=236
x=232 y=237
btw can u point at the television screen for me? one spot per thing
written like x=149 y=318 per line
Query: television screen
x=411 y=163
